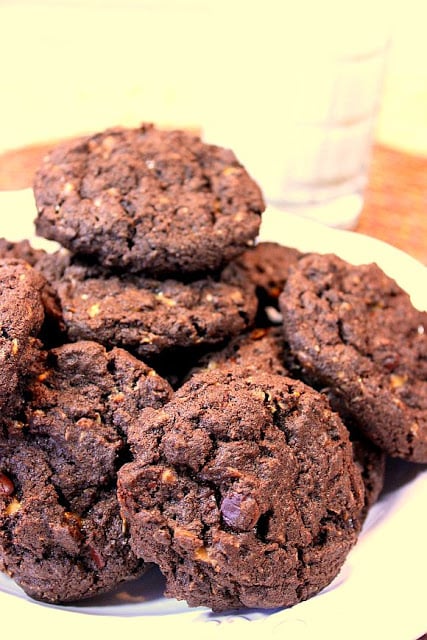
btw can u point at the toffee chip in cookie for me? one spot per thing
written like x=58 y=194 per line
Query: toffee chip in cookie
x=243 y=490
x=62 y=537
x=146 y=200
x=355 y=334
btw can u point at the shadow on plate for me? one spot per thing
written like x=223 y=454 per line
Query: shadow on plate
x=400 y=473
x=143 y=596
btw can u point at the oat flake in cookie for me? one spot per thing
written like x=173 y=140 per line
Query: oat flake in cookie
x=355 y=334
x=243 y=490
x=148 y=200
x=62 y=537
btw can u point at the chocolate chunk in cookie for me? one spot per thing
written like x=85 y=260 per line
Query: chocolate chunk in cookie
x=243 y=489
x=149 y=201
x=62 y=537
x=356 y=334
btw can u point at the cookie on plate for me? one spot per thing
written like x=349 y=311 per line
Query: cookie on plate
x=243 y=489
x=264 y=350
x=26 y=301
x=268 y=264
x=356 y=335
x=21 y=250
x=62 y=537
x=56 y=554
x=260 y=349
x=151 y=201
x=151 y=317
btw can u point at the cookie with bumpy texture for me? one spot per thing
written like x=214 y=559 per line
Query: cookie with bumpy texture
x=243 y=490
x=372 y=463
x=150 y=317
x=356 y=334
x=62 y=537
x=21 y=250
x=260 y=349
x=147 y=200
x=26 y=301
x=56 y=554
x=268 y=264
x=264 y=349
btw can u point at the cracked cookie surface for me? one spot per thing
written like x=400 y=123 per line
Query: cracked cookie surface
x=267 y=265
x=356 y=334
x=148 y=201
x=62 y=537
x=151 y=317
x=264 y=349
x=243 y=490
x=26 y=302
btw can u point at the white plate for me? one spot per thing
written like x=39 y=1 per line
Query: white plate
x=380 y=591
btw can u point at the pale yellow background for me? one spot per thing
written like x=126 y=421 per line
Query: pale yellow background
x=71 y=67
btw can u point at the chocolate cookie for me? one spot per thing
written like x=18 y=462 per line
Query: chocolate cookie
x=151 y=317
x=56 y=554
x=268 y=264
x=265 y=350
x=25 y=302
x=21 y=250
x=356 y=334
x=61 y=534
x=372 y=463
x=261 y=349
x=243 y=489
x=148 y=201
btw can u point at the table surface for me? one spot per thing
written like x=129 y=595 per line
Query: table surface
x=395 y=208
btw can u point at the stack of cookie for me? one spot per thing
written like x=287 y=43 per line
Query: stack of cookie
x=215 y=406
x=152 y=221
x=65 y=413
x=149 y=224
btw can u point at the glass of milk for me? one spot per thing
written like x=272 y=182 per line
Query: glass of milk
x=297 y=92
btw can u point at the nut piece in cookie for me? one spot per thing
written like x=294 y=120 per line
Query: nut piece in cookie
x=243 y=489
x=150 y=201
x=355 y=334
